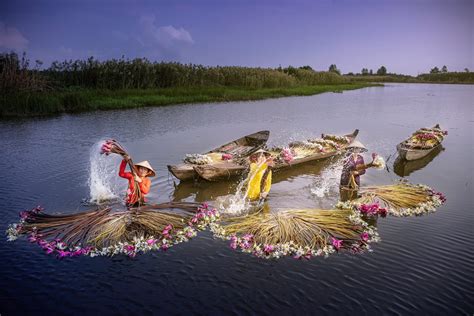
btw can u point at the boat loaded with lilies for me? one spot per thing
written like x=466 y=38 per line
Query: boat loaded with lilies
x=421 y=143
x=296 y=153
x=237 y=149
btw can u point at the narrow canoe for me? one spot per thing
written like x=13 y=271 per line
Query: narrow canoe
x=408 y=153
x=238 y=148
x=228 y=169
x=404 y=168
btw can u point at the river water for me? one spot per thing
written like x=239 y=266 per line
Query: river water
x=423 y=265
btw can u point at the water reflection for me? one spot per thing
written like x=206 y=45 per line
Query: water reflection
x=404 y=168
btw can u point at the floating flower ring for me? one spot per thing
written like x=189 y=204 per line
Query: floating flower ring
x=141 y=242
x=302 y=234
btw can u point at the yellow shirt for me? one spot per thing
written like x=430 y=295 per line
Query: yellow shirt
x=255 y=180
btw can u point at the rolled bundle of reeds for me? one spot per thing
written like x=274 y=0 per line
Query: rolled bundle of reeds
x=297 y=233
x=105 y=232
x=401 y=199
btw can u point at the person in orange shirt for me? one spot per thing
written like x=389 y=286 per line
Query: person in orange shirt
x=144 y=171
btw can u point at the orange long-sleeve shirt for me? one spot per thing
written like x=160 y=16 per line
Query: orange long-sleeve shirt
x=144 y=186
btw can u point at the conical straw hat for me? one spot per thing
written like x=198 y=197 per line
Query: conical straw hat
x=357 y=144
x=147 y=165
x=261 y=151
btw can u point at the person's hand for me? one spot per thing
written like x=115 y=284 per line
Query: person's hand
x=270 y=161
x=138 y=179
x=126 y=157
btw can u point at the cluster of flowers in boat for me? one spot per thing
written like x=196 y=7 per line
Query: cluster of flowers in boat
x=204 y=216
x=287 y=155
x=336 y=138
x=197 y=159
x=247 y=244
x=427 y=137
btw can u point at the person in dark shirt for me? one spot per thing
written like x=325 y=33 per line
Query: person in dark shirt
x=353 y=168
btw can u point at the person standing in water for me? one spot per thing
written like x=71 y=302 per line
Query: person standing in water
x=144 y=171
x=260 y=175
x=353 y=168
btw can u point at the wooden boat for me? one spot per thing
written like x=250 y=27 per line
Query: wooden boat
x=408 y=152
x=404 y=168
x=229 y=169
x=238 y=148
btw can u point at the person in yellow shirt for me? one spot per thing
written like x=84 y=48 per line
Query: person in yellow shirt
x=259 y=180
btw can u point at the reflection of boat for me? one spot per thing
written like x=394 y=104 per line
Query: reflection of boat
x=238 y=148
x=408 y=152
x=229 y=169
x=403 y=167
x=202 y=191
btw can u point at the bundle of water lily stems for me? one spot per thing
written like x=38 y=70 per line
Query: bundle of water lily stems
x=401 y=199
x=297 y=233
x=105 y=232
x=111 y=146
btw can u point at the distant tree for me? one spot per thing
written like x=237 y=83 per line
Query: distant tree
x=333 y=68
x=382 y=71
x=306 y=67
x=350 y=74
x=444 y=69
x=435 y=70
x=364 y=71
x=371 y=72
x=466 y=70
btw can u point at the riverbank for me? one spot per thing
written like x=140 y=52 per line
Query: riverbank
x=80 y=100
x=440 y=78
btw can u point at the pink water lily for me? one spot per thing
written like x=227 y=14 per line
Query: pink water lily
x=151 y=242
x=337 y=243
x=364 y=236
x=226 y=156
x=49 y=250
x=63 y=254
x=167 y=229
x=268 y=248
x=164 y=247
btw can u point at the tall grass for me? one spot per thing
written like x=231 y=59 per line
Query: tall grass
x=79 y=85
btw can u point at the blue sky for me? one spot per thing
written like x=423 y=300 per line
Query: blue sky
x=405 y=36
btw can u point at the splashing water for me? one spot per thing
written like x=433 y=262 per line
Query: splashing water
x=327 y=183
x=237 y=204
x=103 y=184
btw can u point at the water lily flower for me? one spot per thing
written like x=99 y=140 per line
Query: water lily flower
x=226 y=156
x=382 y=212
x=268 y=248
x=364 y=236
x=336 y=243
x=151 y=242
x=63 y=254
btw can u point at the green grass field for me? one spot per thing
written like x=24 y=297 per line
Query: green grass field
x=79 y=100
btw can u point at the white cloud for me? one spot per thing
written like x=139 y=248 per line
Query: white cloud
x=11 y=38
x=167 y=36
